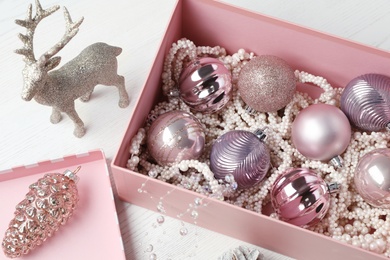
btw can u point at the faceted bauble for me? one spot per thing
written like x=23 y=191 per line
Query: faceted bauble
x=241 y=154
x=366 y=102
x=175 y=136
x=372 y=178
x=300 y=197
x=266 y=83
x=321 y=132
x=205 y=85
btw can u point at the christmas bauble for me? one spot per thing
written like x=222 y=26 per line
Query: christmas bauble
x=175 y=136
x=366 y=102
x=321 y=132
x=205 y=85
x=300 y=197
x=372 y=178
x=242 y=154
x=266 y=83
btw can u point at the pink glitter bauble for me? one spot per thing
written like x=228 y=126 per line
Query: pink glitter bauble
x=205 y=85
x=321 y=132
x=175 y=136
x=242 y=154
x=266 y=83
x=300 y=197
x=372 y=178
x=366 y=102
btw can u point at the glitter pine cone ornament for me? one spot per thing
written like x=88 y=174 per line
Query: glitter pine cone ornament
x=366 y=102
x=47 y=206
x=266 y=83
x=241 y=154
x=300 y=197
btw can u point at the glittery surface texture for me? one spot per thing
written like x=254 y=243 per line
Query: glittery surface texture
x=47 y=206
x=366 y=102
x=266 y=83
x=96 y=64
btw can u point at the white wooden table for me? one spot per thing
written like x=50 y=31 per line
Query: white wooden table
x=27 y=136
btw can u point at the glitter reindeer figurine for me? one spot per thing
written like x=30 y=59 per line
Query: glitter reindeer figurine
x=96 y=64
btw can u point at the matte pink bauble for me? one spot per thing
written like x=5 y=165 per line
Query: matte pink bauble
x=321 y=132
x=300 y=197
x=267 y=83
x=372 y=178
x=205 y=85
x=175 y=136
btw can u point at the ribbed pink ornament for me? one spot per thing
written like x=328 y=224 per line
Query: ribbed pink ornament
x=242 y=154
x=300 y=197
x=366 y=102
x=205 y=85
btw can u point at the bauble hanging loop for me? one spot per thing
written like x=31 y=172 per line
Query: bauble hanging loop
x=241 y=154
x=366 y=102
x=300 y=197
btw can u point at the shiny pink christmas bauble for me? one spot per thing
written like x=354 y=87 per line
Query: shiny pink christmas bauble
x=372 y=178
x=266 y=83
x=321 y=132
x=300 y=197
x=175 y=136
x=205 y=85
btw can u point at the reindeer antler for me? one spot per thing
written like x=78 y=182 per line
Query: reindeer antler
x=31 y=23
x=71 y=30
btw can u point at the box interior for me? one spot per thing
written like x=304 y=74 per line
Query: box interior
x=212 y=23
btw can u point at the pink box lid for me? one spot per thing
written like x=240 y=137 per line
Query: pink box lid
x=93 y=231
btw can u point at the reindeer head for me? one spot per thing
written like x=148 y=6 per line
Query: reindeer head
x=35 y=72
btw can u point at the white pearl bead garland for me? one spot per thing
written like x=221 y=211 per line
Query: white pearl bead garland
x=349 y=219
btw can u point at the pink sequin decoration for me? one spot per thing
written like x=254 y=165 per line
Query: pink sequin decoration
x=48 y=205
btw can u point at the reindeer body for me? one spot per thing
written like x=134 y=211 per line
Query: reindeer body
x=96 y=64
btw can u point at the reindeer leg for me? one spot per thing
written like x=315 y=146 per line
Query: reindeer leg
x=55 y=116
x=79 y=130
x=86 y=96
x=119 y=82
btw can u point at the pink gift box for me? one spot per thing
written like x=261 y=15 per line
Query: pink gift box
x=212 y=23
x=93 y=231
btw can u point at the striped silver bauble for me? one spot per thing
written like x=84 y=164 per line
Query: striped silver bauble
x=366 y=102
